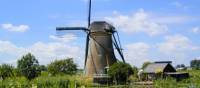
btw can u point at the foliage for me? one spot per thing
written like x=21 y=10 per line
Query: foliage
x=28 y=66
x=64 y=81
x=51 y=82
x=195 y=64
x=165 y=83
x=6 y=70
x=181 y=67
x=145 y=64
x=72 y=81
x=42 y=68
x=135 y=70
x=120 y=72
x=15 y=82
x=192 y=82
x=65 y=66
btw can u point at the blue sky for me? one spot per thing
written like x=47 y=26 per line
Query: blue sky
x=150 y=30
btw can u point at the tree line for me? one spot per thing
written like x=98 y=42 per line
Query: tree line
x=29 y=67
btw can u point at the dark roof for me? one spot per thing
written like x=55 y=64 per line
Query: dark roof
x=154 y=67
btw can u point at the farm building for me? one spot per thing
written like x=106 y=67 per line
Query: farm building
x=162 y=69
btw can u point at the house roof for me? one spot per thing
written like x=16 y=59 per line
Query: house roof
x=155 y=67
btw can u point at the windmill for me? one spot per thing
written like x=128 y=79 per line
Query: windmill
x=99 y=50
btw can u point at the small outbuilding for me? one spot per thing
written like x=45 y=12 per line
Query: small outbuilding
x=158 y=69
x=162 y=69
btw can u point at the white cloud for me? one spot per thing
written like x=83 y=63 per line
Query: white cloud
x=47 y=52
x=8 y=47
x=137 y=53
x=65 y=38
x=13 y=28
x=172 y=20
x=176 y=43
x=196 y=30
x=138 y=22
x=44 y=52
x=178 y=47
x=179 y=5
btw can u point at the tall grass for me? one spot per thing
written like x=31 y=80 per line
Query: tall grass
x=46 y=81
x=192 y=82
x=73 y=81
x=15 y=82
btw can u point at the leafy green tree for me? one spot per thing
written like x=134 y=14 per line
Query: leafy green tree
x=6 y=70
x=65 y=66
x=135 y=70
x=120 y=72
x=195 y=64
x=181 y=67
x=28 y=66
x=145 y=64
x=43 y=68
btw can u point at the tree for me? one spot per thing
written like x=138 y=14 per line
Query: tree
x=180 y=66
x=28 y=66
x=120 y=72
x=6 y=70
x=65 y=66
x=43 y=68
x=195 y=64
x=145 y=64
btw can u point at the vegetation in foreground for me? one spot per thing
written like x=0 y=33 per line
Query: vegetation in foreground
x=64 y=74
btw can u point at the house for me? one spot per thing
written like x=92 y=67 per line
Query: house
x=158 y=69
x=162 y=69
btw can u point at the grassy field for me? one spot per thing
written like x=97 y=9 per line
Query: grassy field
x=73 y=81
x=192 y=82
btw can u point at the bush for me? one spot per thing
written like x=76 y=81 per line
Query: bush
x=195 y=64
x=145 y=64
x=66 y=66
x=28 y=66
x=43 y=68
x=120 y=72
x=6 y=70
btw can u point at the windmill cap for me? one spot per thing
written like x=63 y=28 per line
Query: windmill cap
x=101 y=26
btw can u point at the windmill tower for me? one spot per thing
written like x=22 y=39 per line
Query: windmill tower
x=99 y=51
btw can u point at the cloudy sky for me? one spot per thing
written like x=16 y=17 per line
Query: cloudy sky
x=150 y=30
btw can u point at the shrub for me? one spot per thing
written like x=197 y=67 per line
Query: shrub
x=6 y=70
x=66 y=66
x=28 y=66
x=195 y=64
x=42 y=68
x=145 y=64
x=120 y=72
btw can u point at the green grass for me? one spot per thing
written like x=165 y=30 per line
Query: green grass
x=70 y=81
x=193 y=81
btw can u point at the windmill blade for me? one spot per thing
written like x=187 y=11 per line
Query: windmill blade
x=118 y=48
x=120 y=45
x=86 y=48
x=71 y=28
x=89 y=12
x=88 y=32
x=62 y=31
